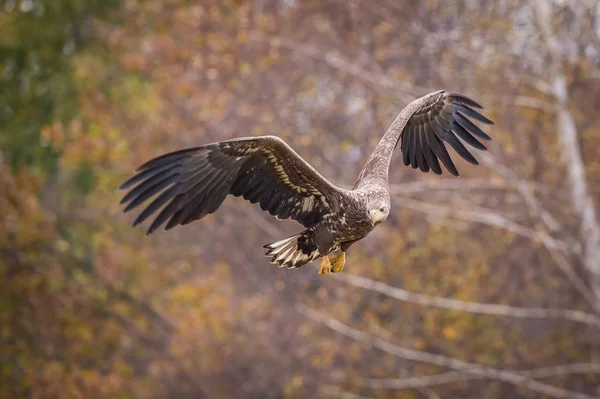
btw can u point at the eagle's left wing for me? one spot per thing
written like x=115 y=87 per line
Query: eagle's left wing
x=442 y=117
x=193 y=182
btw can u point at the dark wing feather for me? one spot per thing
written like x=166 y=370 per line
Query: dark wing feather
x=193 y=183
x=442 y=119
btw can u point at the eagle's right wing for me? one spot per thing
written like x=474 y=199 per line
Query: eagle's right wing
x=194 y=182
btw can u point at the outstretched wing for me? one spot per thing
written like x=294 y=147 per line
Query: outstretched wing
x=444 y=117
x=194 y=182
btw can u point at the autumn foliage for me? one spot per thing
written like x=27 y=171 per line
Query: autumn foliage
x=91 y=307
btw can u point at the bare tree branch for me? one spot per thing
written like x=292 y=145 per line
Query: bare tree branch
x=416 y=382
x=490 y=218
x=524 y=189
x=453 y=376
x=466 y=306
x=497 y=220
x=563 y=369
x=439 y=360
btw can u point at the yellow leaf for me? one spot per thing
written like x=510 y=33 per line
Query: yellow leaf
x=449 y=333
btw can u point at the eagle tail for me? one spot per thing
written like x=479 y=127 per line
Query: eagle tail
x=294 y=251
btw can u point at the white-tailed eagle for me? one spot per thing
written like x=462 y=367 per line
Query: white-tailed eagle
x=191 y=183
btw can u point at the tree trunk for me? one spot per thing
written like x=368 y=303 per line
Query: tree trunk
x=567 y=133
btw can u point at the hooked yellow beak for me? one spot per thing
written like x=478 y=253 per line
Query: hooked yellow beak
x=377 y=216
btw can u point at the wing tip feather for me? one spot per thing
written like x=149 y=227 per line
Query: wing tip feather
x=464 y=99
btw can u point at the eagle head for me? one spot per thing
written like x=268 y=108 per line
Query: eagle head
x=378 y=212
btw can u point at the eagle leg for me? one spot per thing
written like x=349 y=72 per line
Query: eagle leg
x=337 y=263
x=325 y=265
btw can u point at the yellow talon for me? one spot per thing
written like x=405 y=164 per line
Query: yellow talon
x=337 y=263
x=325 y=265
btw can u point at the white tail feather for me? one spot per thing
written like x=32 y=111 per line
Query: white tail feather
x=285 y=253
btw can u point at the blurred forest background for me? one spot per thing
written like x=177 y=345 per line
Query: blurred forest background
x=487 y=285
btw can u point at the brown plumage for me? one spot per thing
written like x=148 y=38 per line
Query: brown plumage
x=189 y=184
